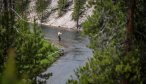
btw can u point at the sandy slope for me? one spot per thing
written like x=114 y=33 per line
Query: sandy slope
x=64 y=21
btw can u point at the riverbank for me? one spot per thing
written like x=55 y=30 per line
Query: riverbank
x=63 y=28
x=76 y=54
x=57 y=27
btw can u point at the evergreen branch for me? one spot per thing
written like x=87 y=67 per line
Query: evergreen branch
x=18 y=15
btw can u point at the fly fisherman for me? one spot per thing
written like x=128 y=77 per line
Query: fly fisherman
x=59 y=36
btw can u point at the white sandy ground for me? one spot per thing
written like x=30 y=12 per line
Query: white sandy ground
x=64 y=21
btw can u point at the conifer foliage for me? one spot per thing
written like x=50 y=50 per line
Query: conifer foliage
x=77 y=10
x=31 y=53
x=61 y=6
x=118 y=57
x=41 y=5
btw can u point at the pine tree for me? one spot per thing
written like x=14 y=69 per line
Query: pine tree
x=41 y=5
x=7 y=29
x=21 y=5
x=117 y=56
x=27 y=40
x=77 y=10
x=61 y=6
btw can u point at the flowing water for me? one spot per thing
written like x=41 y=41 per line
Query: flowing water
x=76 y=54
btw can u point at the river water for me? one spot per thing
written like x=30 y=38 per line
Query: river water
x=76 y=54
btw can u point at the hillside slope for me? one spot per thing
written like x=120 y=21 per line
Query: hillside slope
x=50 y=15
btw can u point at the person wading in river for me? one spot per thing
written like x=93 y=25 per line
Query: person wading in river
x=59 y=36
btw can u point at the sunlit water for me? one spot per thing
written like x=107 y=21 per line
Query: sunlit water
x=76 y=54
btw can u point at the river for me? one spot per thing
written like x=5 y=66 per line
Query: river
x=76 y=54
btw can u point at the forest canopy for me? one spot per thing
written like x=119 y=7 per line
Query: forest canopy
x=117 y=32
x=24 y=53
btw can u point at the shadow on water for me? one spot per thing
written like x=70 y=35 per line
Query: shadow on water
x=76 y=54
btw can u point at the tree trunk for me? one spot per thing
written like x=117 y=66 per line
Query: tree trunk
x=8 y=23
x=130 y=24
x=129 y=32
x=78 y=22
